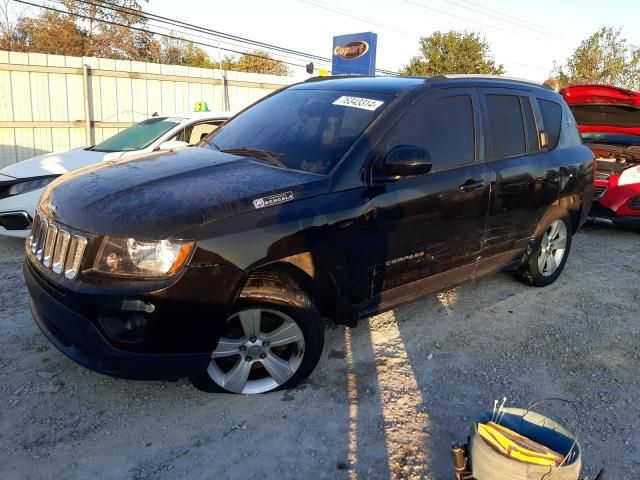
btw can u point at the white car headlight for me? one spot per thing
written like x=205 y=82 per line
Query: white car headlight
x=30 y=185
x=129 y=257
x=629 y=176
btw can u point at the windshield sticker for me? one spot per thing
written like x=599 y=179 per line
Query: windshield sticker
x=358 y=102
x=273 y=200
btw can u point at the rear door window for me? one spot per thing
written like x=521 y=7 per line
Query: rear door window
x=552 y=119
x=444 y=127
x=506 y=126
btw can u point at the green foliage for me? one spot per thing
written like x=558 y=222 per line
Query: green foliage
x=453 y=52
x=256 y=61
x=606 y=57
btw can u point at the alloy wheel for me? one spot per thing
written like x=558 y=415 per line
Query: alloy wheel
x=552 y=248
x=260 y=350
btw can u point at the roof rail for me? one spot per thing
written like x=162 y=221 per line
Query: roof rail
x=319 y=78
x=451 y=76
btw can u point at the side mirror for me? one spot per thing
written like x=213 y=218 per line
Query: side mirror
x=405 y=161
x=172 y=145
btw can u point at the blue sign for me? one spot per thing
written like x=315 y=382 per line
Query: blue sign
x=354 y=54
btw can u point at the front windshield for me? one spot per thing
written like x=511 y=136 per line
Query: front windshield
x=304 y=129
x=138 y=136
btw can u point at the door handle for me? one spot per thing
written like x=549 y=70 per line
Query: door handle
x=471 y=185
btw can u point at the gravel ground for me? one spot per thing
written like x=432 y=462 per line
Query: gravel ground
x=386 y=401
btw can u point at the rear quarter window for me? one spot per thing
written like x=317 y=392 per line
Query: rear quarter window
x=552 y=119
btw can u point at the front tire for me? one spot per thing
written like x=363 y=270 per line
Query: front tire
x=546 y=258
x=272 y=341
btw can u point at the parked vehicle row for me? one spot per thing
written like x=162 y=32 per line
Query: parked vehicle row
x=22 y=184
x=335 y=198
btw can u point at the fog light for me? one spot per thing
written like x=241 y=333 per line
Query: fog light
x=126 y=328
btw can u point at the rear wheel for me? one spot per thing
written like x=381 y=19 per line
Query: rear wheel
x=546 y=259
x=266 y=346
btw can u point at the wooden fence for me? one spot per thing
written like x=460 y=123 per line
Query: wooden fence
x=53 y=103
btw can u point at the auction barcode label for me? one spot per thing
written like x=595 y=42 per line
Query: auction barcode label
x=358 y=102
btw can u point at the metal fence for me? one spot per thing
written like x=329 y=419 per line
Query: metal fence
x=53 y=102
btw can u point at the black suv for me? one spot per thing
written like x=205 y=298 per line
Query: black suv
x=335 y=198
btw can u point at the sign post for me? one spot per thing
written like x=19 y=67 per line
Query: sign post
x=354 y=54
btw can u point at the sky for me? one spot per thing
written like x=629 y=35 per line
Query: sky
x=525 y=36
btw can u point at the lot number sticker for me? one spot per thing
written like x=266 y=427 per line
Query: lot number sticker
x=358 y=102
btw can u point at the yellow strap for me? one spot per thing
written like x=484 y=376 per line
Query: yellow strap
x=499 y=442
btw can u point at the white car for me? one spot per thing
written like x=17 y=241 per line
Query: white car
x=22 y=183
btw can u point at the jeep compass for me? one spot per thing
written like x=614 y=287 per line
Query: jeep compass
x=334 y=199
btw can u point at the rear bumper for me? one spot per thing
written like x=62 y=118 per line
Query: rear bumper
x=78 y=336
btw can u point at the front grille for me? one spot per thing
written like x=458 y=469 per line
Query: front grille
x=56 y=248
x=635 y=203
x=598 y=192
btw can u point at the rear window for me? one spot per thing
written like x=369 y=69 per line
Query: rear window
x=552 y=119
x=612 y=115
x=506 y=126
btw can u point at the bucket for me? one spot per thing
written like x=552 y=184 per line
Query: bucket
x=487 y=464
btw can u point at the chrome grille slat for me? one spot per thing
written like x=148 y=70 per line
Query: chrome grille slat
x=56 y=248
x=42 y=237
x=52 y=234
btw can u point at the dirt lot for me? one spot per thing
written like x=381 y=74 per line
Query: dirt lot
x=387 y=399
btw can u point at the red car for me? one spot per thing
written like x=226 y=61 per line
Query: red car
x=609 y=121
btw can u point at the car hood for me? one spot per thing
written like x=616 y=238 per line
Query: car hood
x=160 y=195
x=57 y=163
x=604 y=109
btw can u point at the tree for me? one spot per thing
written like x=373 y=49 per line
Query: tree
x=51 y=32
x=181 y=52
x=10 y=35
x=102 y=28
x=256 y=61
x=605 y=57
x=115 y=39
x=453 y=52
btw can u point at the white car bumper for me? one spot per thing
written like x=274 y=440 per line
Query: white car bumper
x=18 y=205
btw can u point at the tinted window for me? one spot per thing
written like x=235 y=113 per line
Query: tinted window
x=304 y=129
x=530 y=125
x=506 y=127
x=552 y=119
x=444 y=127
x=138 y=136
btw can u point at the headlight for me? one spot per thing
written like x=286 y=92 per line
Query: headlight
x=629 y=176
x=129 y=257
x=28 y=186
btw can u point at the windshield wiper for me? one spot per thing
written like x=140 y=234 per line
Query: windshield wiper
x=268 y=156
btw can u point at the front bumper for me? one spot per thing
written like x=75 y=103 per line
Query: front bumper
x=603 y=215
x=25 y=204
x=174 y=347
